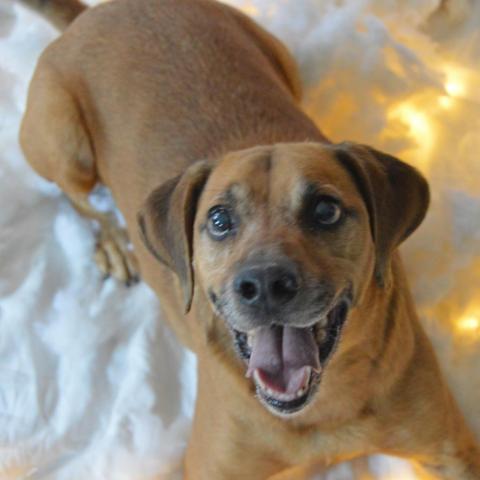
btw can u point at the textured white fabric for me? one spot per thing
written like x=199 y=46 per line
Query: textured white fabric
x=92 y=384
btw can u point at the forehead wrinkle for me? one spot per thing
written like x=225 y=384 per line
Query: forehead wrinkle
x=253 y=193
x=274 y=161
x=285 y=186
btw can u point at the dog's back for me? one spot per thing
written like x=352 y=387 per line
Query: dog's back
x=149 y=74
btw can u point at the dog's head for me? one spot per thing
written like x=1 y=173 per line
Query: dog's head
x=283 y=240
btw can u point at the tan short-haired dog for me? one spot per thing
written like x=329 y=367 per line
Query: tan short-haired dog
x=273 y=250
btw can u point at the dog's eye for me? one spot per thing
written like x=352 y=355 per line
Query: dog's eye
x=327 y=211
x=219 y=222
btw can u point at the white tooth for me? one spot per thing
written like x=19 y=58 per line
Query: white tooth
x=258 y=381
x=283 y=397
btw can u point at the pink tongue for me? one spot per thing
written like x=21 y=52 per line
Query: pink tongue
x=282 y=356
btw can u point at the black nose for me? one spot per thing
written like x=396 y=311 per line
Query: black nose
x=267 y=286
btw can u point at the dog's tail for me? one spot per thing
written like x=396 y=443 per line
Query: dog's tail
x=58 y=12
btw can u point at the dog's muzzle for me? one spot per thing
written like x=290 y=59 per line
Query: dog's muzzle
x=285 y=326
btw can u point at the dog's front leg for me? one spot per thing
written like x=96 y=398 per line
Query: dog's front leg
x=113 y=252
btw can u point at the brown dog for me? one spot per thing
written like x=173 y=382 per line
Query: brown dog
x=273 y=251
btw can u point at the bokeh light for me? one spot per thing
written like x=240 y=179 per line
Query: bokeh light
x=469 y=323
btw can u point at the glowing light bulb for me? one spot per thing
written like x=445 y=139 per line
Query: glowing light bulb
x=445 y=101
x=418 y=122
x=455 y=88
x=455 y=84
x=469 y=323
x=419 y=125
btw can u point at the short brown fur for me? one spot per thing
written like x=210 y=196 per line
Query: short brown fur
x=173 y=100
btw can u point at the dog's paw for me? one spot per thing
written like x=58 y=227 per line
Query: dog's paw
x=114 y=255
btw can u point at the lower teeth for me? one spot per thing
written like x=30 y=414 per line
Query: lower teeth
x=283 y=397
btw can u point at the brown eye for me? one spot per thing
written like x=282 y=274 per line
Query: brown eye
x=220 y=222
x=326 y=212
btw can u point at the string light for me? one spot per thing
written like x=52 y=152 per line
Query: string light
x=417 y=120
x=420 y=129
x=455 y=88
x=455 y=85
x=445 y=101
x=418 y=115
x=469 y=324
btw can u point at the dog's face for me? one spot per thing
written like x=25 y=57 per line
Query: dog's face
x=284 y=240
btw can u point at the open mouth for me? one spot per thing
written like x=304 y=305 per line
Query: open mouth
x=286 y=363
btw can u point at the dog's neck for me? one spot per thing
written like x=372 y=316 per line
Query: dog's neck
x=361 y=383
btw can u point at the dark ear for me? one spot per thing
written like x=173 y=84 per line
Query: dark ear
x=166 y=223
x=396 y=196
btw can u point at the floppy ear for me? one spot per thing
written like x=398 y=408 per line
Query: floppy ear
x=166 y=223
x=396 y=196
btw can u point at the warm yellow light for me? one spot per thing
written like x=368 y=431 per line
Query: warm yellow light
x=417 y=120
x=469 y=323
x=455 y=84
x=445 y=101
x=418 y=123
x=455 y=89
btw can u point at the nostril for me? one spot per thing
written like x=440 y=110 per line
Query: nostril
x=266 y=286
x=284 y=288
x=248 y=290
x=248 y=287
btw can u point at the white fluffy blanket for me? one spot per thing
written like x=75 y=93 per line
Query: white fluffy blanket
x=92 y=384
